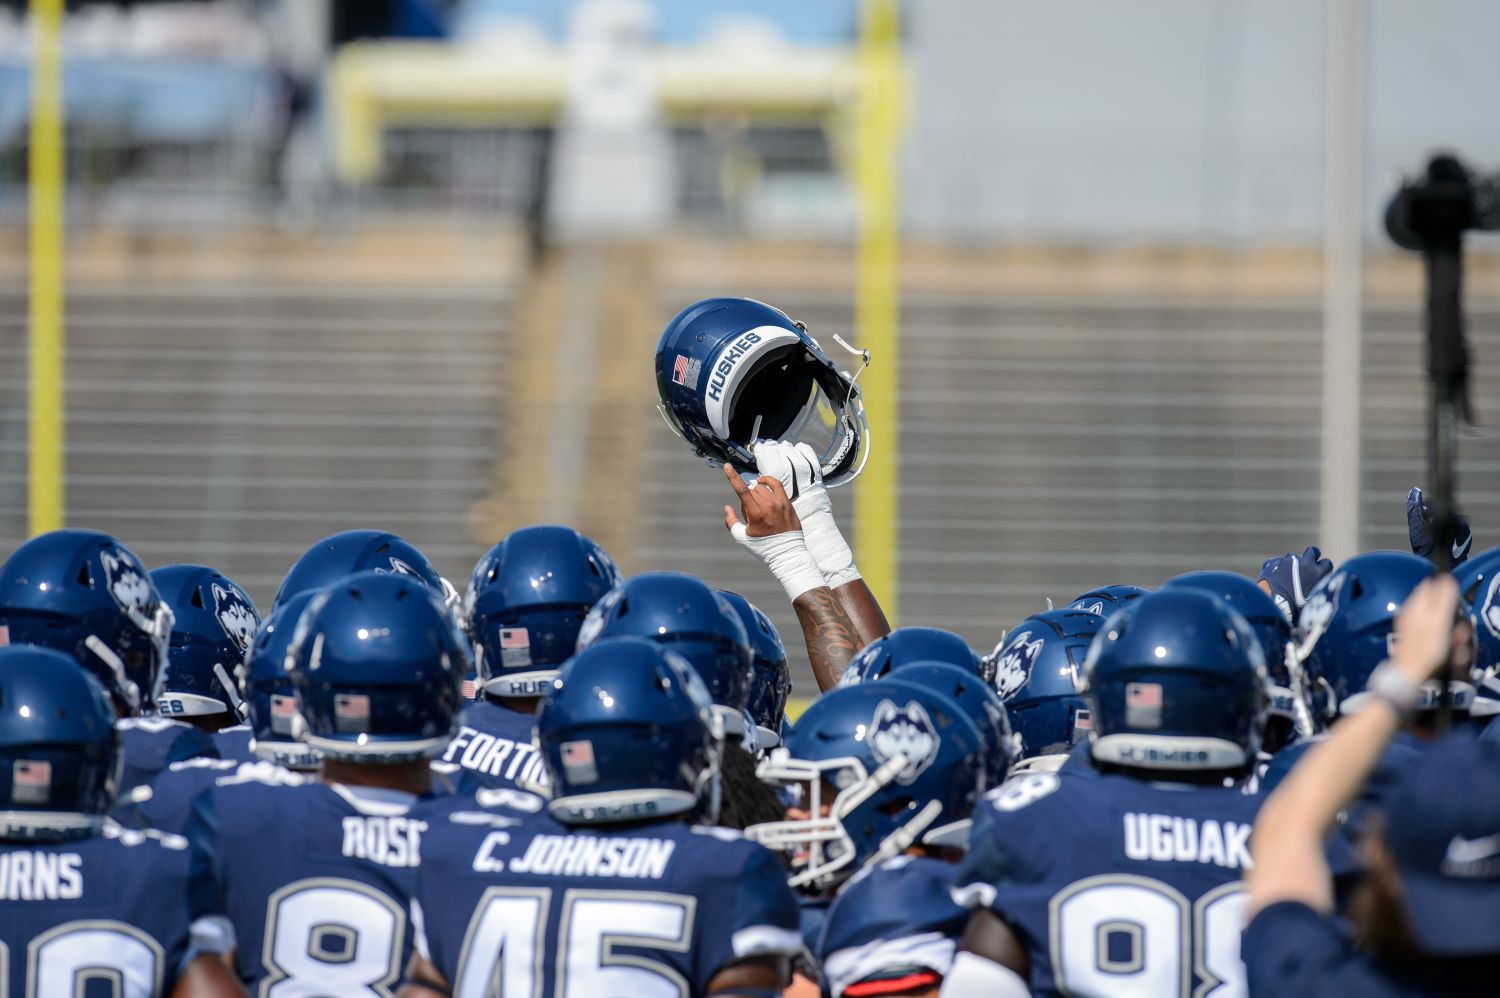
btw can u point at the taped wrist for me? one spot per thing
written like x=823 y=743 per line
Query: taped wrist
x=787 y=556
x=834 y=557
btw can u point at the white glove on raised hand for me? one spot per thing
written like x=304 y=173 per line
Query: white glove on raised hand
x=771 y=533
x=796 y=466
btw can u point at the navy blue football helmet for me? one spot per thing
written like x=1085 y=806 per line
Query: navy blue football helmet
x=912 y=644
x=1105 y=600
x=977 y=699
x=895 y=764
x=1177 y=681
x=1346 y=628
x=351 y=551
x=628 y=734
x=1038 y=669
x=1290 y=715
x=685 y=615
x=216 y=622
x=276 y=727
x=59 y=751
x=527 y=599
x=731 y=371
x=83 y=593
x=1479 y=583
x=378 y=666
x=770 y=679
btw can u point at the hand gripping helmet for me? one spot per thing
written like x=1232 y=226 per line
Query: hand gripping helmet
x=215 y=623
x=911 y=644
x=527 y=599
x=977 y=700
x=627 y=735
x=1176 y=682
x=731 y=371
x=877 y=768
x=59 y=752
x=343 y=554
x=85 y=594
x=276 y=728
x=1290 y=715
x=681 y=613
x=1106 y=599
x=378 y=666
x=770 y=679
x=1037 y=669
x=1346 y=629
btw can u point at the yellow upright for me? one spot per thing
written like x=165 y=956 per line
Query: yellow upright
x=45 y=372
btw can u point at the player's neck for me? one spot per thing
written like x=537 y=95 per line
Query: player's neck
x=210 y=723
x=521 y=705
x=408 y=777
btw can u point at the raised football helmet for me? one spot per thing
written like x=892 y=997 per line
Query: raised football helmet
x=527 y=600
x=378 y=665
x=1177 y=681
x=1346 y=629
x=876 y=768
x=682 y=613
x=770 y=679
x=216 y=622
x=628 y=734
x=1290 y=714
x=83 y=593
x=1037 y=671
x=1105 y=600
x=731 y=371
x=351 y=551
x=270 y=700
x=59 y=751
x=911 y=644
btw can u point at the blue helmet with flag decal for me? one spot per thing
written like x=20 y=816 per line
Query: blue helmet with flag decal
x=216 y=622
x=527 y=600
x=682 y=613
x=911 y=644
x=1037 y=669
x=903 y=764
x=378 y=665
x=1288 y=718
x=83 y=593
x=628 y=734
x=59 y=749
x=1177 y=681
x=276 y=727
x=731 y=371
x=1105 y=600
x=770 y=679
x=351 y=551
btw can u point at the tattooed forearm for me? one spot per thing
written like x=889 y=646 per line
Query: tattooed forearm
x=829 y=633
x=863 y=610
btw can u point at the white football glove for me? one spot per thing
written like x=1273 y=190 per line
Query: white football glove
x=796 y=465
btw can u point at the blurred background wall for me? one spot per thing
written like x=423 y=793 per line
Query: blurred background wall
x=403 y=263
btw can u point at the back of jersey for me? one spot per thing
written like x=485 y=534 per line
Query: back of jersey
x=316 y=879
x=1115 y=886
x=525 y=906
x=112 y=911
x=151 y=744
x=494 y=748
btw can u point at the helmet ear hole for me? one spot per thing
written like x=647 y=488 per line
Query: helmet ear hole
x=84 y=578
x=197 y=598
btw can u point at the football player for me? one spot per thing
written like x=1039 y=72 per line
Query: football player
x=215 y=623
x=912 y=644
x=1128 y=881
x=350 y=551
x=1105 y=600
x=1036 y=672
x=886 y=775
x=527 y=599
x=316 y=876
x=615 y=890
x=83 y=902
x=978 y=702
x=85 y=594
x=770 y=679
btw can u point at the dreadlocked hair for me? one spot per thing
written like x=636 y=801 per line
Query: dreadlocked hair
x=746 y=801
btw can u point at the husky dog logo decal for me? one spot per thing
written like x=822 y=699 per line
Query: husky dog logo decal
x=906 y=731
x=236 y=615
x=1013 y=666
x=130 y=587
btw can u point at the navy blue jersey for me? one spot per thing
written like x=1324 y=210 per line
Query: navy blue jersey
x=495 y=746
x=812 y=913
x=138 y=905
x=151 y=744
x=1115 y=886
x=166 y=804
x=234 y=743
x=1292 y=951
x=316 y=879
x=522 y=905
x=891 y=923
